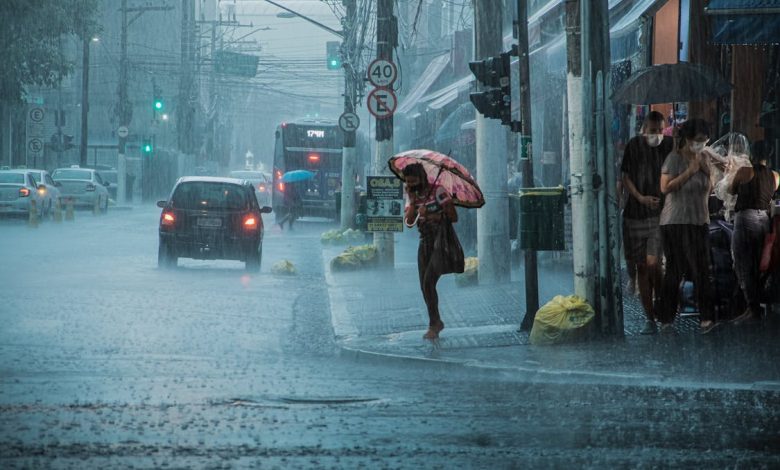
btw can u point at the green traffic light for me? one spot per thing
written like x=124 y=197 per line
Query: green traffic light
x=158 y=105
x=147 y=148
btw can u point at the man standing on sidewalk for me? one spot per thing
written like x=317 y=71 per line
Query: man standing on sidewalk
x=642 y=161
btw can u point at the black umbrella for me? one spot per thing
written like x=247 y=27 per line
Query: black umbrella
x=671 y=83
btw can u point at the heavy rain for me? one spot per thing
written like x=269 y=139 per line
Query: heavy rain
x=389 y=234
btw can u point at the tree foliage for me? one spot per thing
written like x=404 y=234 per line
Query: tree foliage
x=31 y=32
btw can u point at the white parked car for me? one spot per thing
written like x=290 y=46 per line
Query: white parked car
x=17 y=190
x=261 y=181
x=83 y=185
x=48 y=189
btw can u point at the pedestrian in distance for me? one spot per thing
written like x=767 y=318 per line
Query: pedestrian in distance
x=686 y=185
x=643 y=159
x=432 y=210
x=754 y=187
x=291 y=205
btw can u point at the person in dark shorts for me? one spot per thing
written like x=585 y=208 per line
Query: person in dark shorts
x=641 y=168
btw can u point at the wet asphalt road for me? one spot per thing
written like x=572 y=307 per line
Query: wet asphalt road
x=107 y=361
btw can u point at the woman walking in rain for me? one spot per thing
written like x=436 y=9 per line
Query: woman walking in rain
x=431 y=208
x=685 y=181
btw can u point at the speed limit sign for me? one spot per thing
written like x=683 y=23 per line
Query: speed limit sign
x=382 y=73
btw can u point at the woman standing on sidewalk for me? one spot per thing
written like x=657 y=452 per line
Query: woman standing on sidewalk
x=431 y=208
x=754 y=187
x=685 y=181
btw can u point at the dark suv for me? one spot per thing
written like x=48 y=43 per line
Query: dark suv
x=211 y=218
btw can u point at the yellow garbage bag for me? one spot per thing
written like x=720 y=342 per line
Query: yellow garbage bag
x=283 y=267
x=564 y=318
x=354 y=258
x=469 y=277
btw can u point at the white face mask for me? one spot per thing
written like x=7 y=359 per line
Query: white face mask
x=654 y=140
x=697 y=147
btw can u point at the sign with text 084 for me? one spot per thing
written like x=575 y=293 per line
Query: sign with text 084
x=384 y=204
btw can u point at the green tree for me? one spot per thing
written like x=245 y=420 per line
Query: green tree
x=30 y=35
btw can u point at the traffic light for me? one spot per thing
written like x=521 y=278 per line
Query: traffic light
x=333 y=49
x=158 y=104
x=147 y=147
x=494 y=99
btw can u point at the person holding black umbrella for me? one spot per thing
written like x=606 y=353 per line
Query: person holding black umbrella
x=641 y=168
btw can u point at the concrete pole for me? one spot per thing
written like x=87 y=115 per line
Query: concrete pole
x=84 y=99
x=124 y=115
x=349 y=154
x=596 y=66
x=493 y=244
x=385 y=39
x=581 y=174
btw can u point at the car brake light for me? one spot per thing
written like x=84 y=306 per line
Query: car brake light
x=90 y=187
x=261 y=187
x=314 y=158
x=24 y=192
x=250 y=222
x=168 y=219
x=281 y=187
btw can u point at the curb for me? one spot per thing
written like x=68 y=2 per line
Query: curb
x=345 y=333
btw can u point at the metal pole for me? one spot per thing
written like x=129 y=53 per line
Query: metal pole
x=385 y=40
x=531 y=274
x=493 y=244
x=124 y=112
x=84 y=99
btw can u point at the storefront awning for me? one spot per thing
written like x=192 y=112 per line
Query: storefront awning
x=745 y=21
x=427 y=79
x=441 y=98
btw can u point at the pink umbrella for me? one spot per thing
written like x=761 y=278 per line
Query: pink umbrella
x=442 y=171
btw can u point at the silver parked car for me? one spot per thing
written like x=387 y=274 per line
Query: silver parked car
x=83 y=185
x=17 y=190
x=48 y=189
x=261 y=181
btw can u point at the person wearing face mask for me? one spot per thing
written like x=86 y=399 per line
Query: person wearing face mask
x=685 y=183
x=641 y=168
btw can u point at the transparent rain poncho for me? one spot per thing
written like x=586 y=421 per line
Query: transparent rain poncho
x=729 y=153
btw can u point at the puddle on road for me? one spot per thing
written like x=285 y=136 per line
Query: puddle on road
x=286 y=401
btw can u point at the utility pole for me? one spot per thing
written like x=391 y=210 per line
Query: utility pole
x=124 y=112
x=349 y=155
x=184 y=120
x=595 y=221
x=386 y=37
x=84 y=98
x=492 y=220
x=531 y=274
x=596 y=124
x=581 y=164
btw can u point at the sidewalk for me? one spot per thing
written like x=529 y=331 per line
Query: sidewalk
x=380 y=314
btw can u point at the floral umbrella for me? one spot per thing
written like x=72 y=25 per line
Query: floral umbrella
x=442 y=171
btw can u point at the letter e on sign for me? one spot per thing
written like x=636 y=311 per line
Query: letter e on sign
x=382 y=103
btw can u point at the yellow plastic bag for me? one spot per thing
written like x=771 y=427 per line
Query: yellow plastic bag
x=354 y=258
x=469 y=277
x=562 y=319
x=283 y=267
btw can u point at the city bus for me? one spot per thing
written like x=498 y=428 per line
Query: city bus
x=316 y=146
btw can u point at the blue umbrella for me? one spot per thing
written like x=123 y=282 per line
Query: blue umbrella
x=297 y=175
